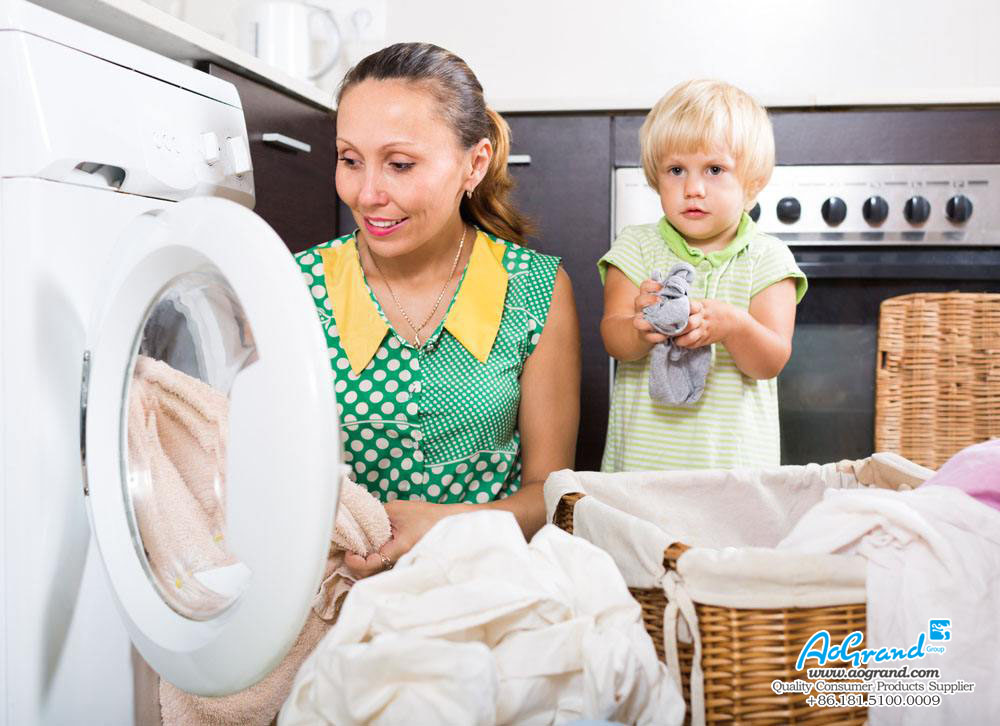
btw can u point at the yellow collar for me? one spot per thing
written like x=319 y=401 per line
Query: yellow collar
x=474 y=318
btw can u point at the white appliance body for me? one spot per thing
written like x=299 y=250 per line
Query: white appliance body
x=96 y=134
x=66 y=651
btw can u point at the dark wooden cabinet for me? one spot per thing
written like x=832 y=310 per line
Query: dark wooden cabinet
x=860 y=136
x=345 y=220
x=625 y=139
x=566 y=189
x=294 y=188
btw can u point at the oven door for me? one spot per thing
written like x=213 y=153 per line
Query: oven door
x=827 y=390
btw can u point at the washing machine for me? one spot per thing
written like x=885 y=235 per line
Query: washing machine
x=126 y=240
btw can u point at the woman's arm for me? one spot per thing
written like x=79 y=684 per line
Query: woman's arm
x=758 y=339
x=626 y=333
x=549 y=415
x=548 y=418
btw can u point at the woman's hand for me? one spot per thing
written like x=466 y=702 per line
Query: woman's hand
x=409 y=521
x=710 y=321
x=647 y=296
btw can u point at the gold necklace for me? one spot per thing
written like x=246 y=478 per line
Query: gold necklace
x=417 y=328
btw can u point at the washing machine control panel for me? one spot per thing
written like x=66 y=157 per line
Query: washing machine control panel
x=103 y=124
x=210 y=148
x=183 y=158
x=239 y=155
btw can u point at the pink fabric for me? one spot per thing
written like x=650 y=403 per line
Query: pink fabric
x=975 y=470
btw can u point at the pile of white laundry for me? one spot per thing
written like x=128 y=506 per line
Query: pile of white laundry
x=932 y=554
x=476 y=626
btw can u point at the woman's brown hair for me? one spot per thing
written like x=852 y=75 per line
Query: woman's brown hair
x=460 y=96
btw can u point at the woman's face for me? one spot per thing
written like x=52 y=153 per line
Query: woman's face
x=400 y=166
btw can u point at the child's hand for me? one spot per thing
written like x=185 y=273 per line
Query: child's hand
x=647 y=296
x=710 y=321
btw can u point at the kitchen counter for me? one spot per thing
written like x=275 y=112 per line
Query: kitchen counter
x=155 y=30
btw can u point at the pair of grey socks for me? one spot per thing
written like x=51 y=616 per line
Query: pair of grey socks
x=676 y=375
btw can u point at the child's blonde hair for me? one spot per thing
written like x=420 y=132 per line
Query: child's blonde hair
x=704 y=115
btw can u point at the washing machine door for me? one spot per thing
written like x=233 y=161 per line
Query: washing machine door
x=210 y=443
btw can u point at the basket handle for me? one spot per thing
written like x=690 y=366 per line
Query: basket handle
x=673 y=553
x=562 y=517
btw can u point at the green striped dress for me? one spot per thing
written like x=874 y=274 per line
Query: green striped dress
x=735 y=422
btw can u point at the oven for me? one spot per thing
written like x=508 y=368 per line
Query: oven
x=862 y=234
x=873 y=203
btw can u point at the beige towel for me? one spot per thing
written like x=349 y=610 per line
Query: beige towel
x=177 y=430
x=361 y=525
x=255 y=706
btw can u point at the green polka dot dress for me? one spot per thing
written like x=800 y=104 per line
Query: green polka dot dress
x=437 y=423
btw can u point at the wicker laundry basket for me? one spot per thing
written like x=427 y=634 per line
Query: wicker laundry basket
x=743 y=650
x=937 y=385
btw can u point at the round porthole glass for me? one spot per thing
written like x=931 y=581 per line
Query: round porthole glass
x=192 y=344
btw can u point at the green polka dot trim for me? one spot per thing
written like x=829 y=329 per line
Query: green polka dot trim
x=434 y=424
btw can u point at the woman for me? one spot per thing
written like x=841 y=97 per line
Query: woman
x=455 y=351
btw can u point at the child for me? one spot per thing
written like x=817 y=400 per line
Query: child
x=708 y=150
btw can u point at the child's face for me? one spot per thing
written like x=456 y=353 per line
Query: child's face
x=702 y=196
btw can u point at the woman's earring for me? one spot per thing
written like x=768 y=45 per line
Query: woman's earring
x=468 y=193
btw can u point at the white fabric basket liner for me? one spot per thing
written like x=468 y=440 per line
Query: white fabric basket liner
x=732 y=520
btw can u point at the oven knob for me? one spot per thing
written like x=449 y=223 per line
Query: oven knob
x=959 y=208
x=875 y=210
x=755 y=212
x=917 y=210
x=834 y=211
x=789 y=210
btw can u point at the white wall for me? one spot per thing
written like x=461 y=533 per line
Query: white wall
x=577 y=54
